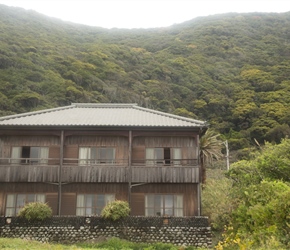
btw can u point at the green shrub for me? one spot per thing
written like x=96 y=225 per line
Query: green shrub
x=35 y=211
x=116 y=210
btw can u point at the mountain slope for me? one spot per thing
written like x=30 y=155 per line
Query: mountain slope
x=232 y=70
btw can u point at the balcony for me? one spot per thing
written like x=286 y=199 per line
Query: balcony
x=92 y=171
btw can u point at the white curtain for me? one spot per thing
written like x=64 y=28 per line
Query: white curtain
x=149 y=205
x=111 y=155
x=109 y=198
x=10 y=205
x=176 y=155
x=150 y=156
x=40 y=198
x=80 y=205
x=43 y=155
x=178 y=205
x=16 y=155
x=84 y=155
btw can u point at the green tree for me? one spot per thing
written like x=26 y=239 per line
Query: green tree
x=260 y=198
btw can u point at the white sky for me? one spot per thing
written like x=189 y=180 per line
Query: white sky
x=143 y=13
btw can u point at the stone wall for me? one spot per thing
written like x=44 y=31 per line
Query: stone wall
x=193 y=231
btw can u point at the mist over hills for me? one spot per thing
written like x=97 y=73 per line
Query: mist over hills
x=232 y=70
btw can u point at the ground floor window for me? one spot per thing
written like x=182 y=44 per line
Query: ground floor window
x=92 y=204
x=163 y=205
x=14 y=202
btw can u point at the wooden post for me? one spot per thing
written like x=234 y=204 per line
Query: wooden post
x=130 y=168
x=60 y=171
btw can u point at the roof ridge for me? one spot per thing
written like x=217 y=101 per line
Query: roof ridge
x=106 y=105
x=171 y=115
x=33 y=113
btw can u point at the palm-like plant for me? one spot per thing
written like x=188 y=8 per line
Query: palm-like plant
x=210 y=149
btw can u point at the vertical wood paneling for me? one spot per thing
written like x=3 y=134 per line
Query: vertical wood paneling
x=190 y=201
x=138 y=204
x=68 y=206
x=106 y=188
x=189 y=192
x=1 y=147
x=31 y=140
x=54 y=155
x=51 y=199
x=118 y=142
x=2 y=205
x=27 y=188
x=101 y=141
x=72 y=152
x=121 y=195
x=138 y=154
x=6 y=151
x=164 y=141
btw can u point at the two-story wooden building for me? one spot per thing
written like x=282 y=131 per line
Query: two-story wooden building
x=80 y=157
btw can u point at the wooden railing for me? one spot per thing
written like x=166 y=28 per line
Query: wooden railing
x=29 y=173
x=117 y=171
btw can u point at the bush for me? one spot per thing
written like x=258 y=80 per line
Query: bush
x=35 y=211
x=218 y=210
x=116 y=210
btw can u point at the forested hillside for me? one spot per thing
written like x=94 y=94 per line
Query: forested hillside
x=232 y=70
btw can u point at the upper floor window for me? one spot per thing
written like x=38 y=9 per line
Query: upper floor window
x=29 y=155
x=93 y=155
x=163 y=205
x=14 y=202
x=92 y=204
x=163 y=156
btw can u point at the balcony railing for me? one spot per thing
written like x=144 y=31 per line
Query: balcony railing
x=97 y=171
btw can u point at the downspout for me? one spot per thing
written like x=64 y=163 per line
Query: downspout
x=60 y=172
x=201 y=132
x=130 y=168
x=199 y=180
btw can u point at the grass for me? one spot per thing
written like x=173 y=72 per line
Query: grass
x=111 y=244
x=7 y=244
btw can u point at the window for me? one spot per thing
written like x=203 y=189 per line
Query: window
x=163 y=156
x=92 y=155
x=163 y=204
x=92 y=204
x=14 y=202
x=29 y=155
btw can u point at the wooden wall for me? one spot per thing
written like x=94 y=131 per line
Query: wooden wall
x=28 y=173
x=189 y=192
x=72 y=144
x=70 y=191
x=103 y=179
x=26 y=188
x=187 y=144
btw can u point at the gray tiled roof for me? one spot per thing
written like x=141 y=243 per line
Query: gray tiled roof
x=100 y=115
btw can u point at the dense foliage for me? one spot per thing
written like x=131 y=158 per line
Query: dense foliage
x=254 y=201
x=231 y=70
x=116 y=210
x=35 y=211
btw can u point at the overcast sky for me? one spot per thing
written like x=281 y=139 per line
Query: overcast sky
x=143 y=13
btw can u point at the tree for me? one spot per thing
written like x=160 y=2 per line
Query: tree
x=260 y=199
x=210 y=149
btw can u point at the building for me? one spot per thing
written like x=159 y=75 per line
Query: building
x=80 y=157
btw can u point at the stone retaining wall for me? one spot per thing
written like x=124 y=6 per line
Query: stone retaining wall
x=193 y=231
